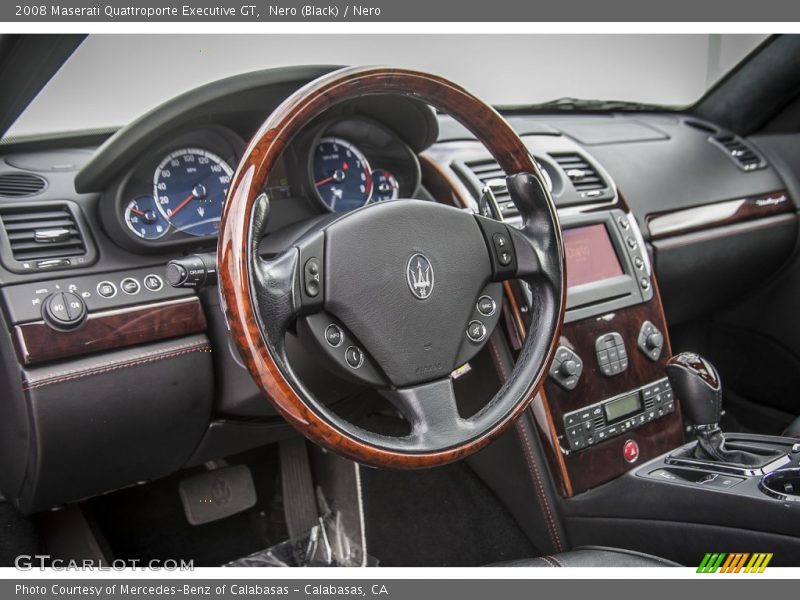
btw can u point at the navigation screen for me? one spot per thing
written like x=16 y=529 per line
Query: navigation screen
x=590 y=255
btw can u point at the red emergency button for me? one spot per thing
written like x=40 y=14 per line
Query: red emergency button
x=630 y=451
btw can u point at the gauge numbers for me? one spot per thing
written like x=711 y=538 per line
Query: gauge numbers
x=341 y=174
x=191 y=185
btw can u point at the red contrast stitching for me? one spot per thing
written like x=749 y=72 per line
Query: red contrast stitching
x=552 y=530
x=497 y=361
x=109 y=367
x=537 y=482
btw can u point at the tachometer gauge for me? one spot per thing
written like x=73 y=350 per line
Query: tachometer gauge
x=341 y=174
x=384 y=186
x=191 y=185
x=143 y=218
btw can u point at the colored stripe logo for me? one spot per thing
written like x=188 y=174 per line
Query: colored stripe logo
x=736 y=562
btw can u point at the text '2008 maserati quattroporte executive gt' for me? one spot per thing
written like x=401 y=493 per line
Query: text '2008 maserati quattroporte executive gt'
x=355 y=316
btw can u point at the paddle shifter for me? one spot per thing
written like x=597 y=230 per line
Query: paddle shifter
x=697 y=385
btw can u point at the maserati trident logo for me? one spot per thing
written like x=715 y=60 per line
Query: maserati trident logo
x=419 y=274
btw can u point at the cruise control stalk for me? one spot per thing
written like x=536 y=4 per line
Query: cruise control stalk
x=193 y=271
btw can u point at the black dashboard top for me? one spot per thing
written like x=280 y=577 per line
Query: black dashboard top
x=658 y=161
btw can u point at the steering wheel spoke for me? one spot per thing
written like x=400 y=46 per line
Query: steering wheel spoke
x=276 y=287
x=432 y=411
x=538 y=245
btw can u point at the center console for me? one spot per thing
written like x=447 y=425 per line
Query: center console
x=607 y=405
x=611 y=412
x=609 y=415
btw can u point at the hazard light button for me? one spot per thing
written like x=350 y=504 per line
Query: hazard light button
x=631 y=451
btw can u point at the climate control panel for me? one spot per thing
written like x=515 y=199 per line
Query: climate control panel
x=614 y=416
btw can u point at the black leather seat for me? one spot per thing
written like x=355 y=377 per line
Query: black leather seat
x=793 y=430
x=592 y=556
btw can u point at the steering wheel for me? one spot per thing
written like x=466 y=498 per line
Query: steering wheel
x=406 y=283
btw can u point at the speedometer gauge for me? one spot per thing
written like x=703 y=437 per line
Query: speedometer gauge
x=190 y=185
x=341 y=174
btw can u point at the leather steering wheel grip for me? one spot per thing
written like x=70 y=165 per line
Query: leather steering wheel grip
x=245 y=279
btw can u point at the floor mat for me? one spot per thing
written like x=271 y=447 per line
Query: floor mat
x=148 y=522
x=18 y=535
x=443 y=517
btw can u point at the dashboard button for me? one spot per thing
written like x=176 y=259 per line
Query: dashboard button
x=153 y=282
x=650 y=341
x=354 y=357
x=566 y=371
x=612 y=358
x=130 y=286
x=631 y=451
x=476 y=331
x=106 y=289
x=334 y=335
x=486 y=306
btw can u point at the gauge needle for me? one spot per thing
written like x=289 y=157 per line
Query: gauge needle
x=136 y=211
x=324 y=181
x=181 y=205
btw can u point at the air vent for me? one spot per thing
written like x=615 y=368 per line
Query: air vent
x=46 y=236
x=490 y=174
x=740 y=152
x=19 y=185
x=584 y=177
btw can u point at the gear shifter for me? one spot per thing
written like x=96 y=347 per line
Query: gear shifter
x=696 y=383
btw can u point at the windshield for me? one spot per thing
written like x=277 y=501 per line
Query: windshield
x=113 y=79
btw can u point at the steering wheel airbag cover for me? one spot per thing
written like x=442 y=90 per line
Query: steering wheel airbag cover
x=367 y=285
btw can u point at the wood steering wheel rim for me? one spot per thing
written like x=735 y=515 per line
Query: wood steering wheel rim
x=234 y=249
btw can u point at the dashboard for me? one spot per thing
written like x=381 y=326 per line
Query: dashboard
x=637 y=195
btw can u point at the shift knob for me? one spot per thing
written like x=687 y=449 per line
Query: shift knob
x=696 y=384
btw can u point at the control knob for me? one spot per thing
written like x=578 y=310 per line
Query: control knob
x=63 y=310
x=568 y=368
x=654 y=340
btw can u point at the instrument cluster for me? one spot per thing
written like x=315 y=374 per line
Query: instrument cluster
x=175 y=196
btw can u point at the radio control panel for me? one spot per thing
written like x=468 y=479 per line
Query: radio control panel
x=614 y=416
